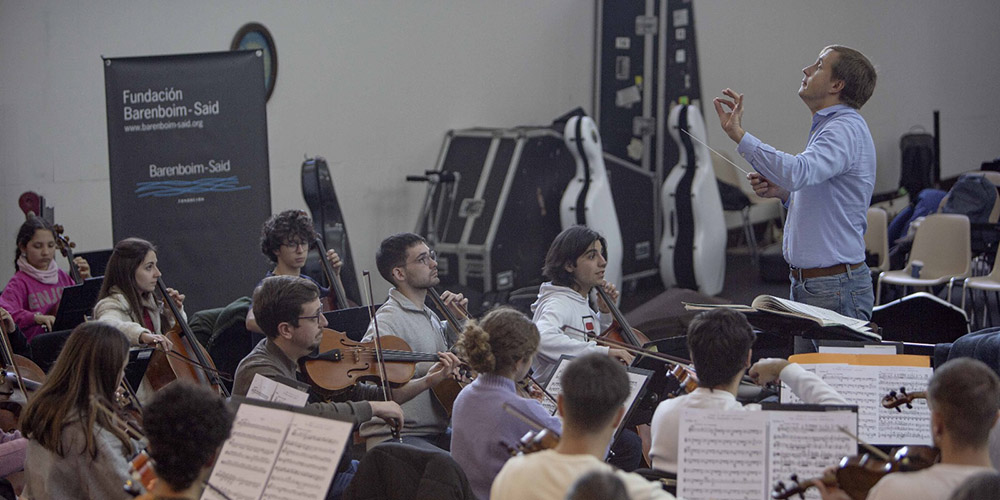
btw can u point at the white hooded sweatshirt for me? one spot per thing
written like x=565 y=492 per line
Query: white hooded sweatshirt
x=561 y=315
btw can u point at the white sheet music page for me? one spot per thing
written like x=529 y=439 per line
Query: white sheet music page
x=244 y=464
x=865 y=386
x=278 y=454
x=722 y=455
x=807 y=442
x=265 y=389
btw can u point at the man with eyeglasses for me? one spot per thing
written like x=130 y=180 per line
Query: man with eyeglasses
x=285 y=240
x=290 y=313
x=405 y=261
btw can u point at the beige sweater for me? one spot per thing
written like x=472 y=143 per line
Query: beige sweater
x=115 y=310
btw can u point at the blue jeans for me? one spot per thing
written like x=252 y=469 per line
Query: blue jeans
x=849 y=293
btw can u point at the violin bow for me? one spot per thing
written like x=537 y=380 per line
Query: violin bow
x=874 y=451
x=386 y=389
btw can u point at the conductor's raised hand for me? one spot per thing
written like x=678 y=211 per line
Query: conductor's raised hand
x=730 y=113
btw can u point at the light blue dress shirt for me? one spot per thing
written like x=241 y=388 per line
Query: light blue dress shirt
x=831 y=185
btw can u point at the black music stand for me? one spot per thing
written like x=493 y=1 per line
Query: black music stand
x=76 y=303
x=138 y=362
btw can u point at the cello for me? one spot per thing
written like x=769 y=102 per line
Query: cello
x=19 y=378
x=188 y=359
x=336 y=284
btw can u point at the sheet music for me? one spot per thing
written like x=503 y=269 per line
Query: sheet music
x=278 y=454
x=865 y=386
x=554 y=387
x=266 y=389
x=722 y=455
x=806 y=443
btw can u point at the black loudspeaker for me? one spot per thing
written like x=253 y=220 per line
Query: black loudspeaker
x=921 y=317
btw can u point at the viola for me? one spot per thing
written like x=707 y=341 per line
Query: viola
x=529 y=388
x=341 y=362
x=856 y=475
x=538 y=439
x=188 y=360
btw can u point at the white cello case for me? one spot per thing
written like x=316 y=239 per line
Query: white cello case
x=587 y=200
x=693 y=248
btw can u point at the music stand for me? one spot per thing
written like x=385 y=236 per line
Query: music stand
x=138 y=361
x=76 y=303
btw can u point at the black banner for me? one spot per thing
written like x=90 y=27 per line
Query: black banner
x=187 y=146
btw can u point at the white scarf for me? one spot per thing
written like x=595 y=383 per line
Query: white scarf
x=49 y=276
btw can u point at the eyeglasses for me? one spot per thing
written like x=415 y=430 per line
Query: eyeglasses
x=314 y=316
x=296 y=244
x=426 y=258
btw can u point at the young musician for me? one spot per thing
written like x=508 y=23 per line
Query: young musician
x=594 y=389
x=127 y=300
x=720 y=343
x=285 y=240
x=75 y=450
x=186 y=426
x=289 y=311
x=500 y=348
x=964 y=399
x=32 y=294
x=405 y=261
x=575 y=263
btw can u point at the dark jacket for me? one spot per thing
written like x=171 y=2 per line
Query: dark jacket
x=392 y=471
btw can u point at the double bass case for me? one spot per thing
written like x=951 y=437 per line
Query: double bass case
x=693 y=248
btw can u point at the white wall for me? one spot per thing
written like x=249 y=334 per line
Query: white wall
x=372 y=85
x=929 y=54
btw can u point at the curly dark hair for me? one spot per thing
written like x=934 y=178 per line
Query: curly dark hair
x=185 y=425
x=281 y=228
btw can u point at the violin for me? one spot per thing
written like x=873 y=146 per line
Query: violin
x=895 y=400
x=141 y=474
x=620 y=330
x=529 y=388
x=856 y=475
x=538 y=439
x=66 y=248
x=187 y=360
x=341 y=362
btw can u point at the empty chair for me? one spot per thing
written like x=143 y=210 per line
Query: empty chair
x=943 y=244
x=877 y=239
x=988 y=283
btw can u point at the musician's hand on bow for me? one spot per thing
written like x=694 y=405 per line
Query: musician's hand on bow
x=156 y=340
x=457 y=302
x=621 y=355
x=46 y=320
x=177 y=297
x=335 y=262
x=83 y=266
x=767 y=370
x=612 y=292
x=388 y=411
x=8 y=320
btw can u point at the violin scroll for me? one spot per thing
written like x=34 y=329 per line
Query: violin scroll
x=895 y=400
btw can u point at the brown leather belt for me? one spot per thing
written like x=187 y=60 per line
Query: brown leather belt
x=819 y=272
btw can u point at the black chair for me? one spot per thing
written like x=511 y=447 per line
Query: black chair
x=45 y=348
x=393 y=471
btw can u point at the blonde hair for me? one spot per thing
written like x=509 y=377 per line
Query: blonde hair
x=499 y=340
